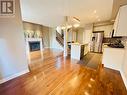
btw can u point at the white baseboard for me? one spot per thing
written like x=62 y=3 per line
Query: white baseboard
x=46 y=47
x=112 y=67
x=56 y=48
x=124 y=78
x=14 y=76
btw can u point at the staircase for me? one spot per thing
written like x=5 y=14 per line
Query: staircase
x=60 y=38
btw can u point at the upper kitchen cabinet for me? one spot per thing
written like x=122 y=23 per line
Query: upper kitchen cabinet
x=120 y=25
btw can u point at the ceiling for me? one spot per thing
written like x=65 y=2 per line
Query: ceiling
x=51 y=12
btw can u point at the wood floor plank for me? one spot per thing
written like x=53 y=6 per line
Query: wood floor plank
x=56 y=75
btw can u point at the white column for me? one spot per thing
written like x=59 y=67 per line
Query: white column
x=65 y=37
x=72 y=38
x=65 y=42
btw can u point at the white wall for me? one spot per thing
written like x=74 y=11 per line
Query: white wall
x=13 y=60
x=45 y=35
x=84 y=34
x=80 y=35
x=87 y=35
x=53 y=42
x=69 y=36
x=107 y=29
x=74 y=36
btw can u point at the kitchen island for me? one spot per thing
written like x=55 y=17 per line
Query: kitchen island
x=77 y=51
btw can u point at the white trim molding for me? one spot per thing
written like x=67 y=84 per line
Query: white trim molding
x=13 y=76
x=124 y=78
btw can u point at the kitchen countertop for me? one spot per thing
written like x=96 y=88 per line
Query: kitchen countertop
x=106 y=46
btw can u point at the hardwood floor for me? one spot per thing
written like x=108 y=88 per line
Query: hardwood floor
x=55 y=75
x=91 y=60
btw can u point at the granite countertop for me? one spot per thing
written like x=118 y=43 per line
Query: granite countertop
x=106 y=46
x=114 y=45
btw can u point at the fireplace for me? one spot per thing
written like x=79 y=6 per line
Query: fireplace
x=34 y=46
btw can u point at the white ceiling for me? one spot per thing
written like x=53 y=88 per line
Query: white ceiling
x=51 y=12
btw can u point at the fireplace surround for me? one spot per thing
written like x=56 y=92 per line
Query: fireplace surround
x=33 y=44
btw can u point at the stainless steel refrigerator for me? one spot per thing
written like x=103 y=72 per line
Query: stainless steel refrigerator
x=96 y=41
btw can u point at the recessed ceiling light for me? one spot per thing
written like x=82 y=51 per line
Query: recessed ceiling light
x=95 y=11
x=99 y=20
